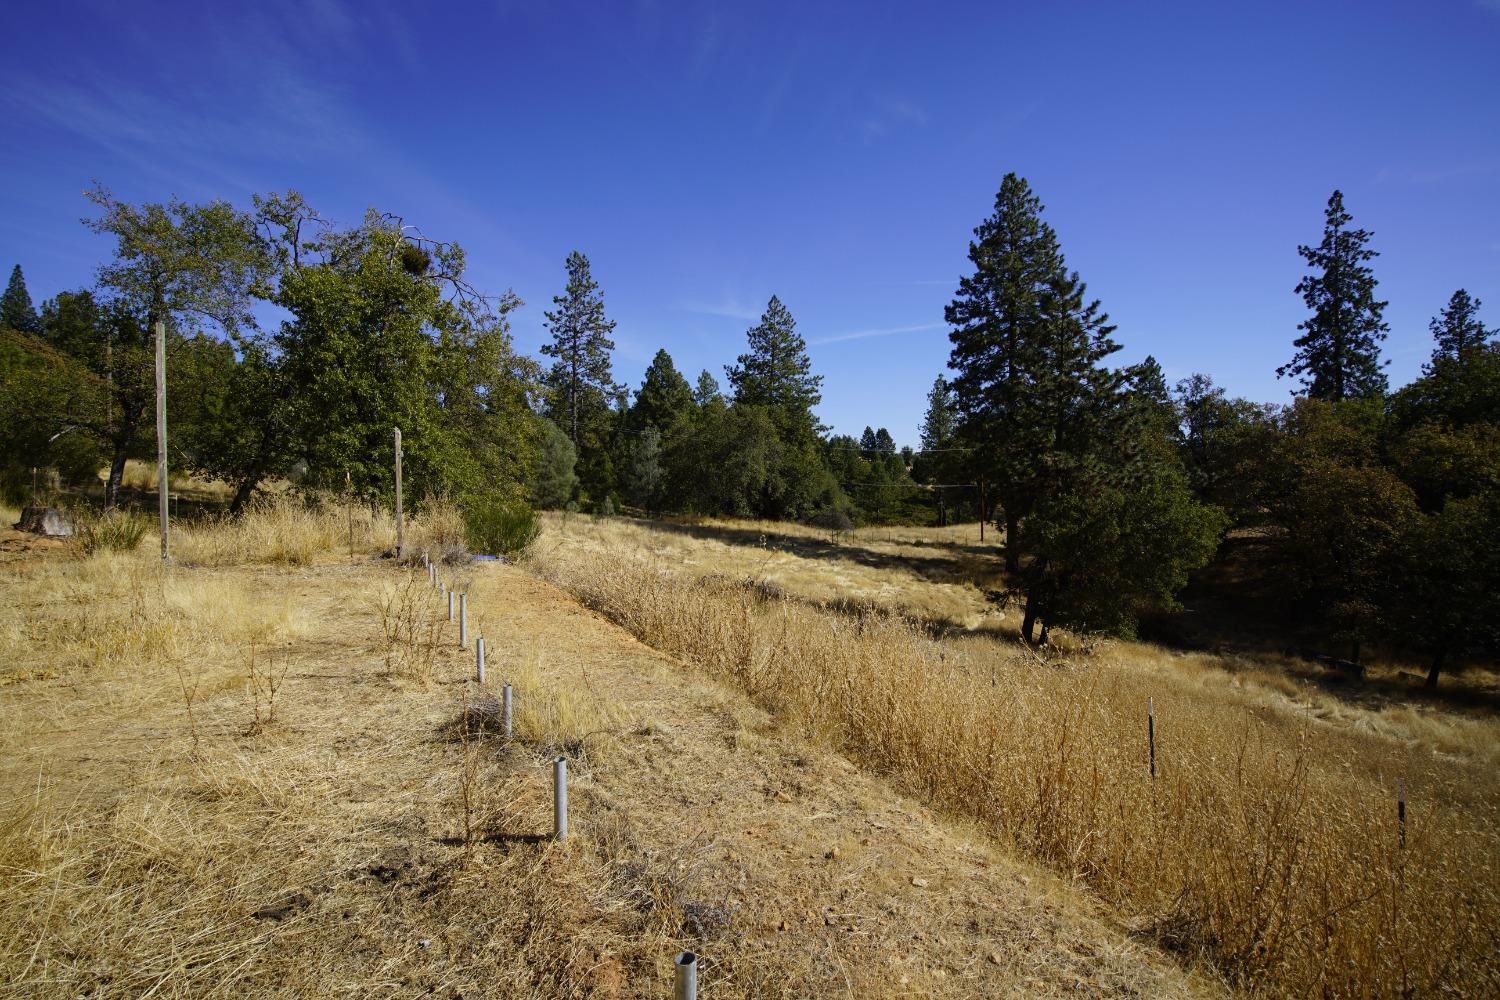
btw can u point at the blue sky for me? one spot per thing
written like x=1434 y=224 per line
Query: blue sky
x=708 y=155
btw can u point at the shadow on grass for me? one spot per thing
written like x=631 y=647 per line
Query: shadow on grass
x=936 y=569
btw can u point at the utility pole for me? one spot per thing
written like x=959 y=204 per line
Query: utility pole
x=400 y=522
x=161 y=441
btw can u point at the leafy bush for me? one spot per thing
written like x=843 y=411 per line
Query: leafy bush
x=116 y=531
x=605 y=508
x=500 y=527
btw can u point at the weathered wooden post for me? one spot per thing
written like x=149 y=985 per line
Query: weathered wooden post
x=161 y=441
x=400 y=520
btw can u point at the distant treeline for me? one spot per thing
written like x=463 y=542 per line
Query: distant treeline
x=1112 y=487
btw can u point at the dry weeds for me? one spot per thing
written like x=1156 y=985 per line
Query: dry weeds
x=350 y=843
x=1268 y=841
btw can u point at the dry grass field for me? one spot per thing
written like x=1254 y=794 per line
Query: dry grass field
x=269 y=771
x=1268 y=842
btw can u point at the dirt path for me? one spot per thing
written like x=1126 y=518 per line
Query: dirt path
x=326 y=854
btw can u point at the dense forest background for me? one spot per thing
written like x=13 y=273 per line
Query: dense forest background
x=296 y=346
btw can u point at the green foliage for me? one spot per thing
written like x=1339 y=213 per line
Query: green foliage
x=1344 y=515
x=605 y=507
x=664 y=400
x=16 y=310
x=191 y=263
x=45 y=398
x=499 y=526
x=1338 y=354
x=1446 y=593
x=1227 y=447
x=1104 y=554
x=554 y=481
x=645 y=478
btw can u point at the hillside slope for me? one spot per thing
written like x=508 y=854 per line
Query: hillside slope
x=156 y=838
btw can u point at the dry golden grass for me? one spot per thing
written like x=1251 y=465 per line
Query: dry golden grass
x=214 y=785
x=935 y=573
x=286 y=531
x=141 y=475
x=1268 y=841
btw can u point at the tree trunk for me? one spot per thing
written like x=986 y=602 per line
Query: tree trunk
x=1028 y=622
x=116 y=474
x=1046 y=631
x=1012 y=554
x=242 y=493
x=1354 y=650
x=1439 y=659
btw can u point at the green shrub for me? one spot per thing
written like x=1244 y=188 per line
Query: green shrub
x=115 y=531
x=498 y=527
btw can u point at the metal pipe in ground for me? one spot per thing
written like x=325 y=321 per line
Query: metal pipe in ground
x=479 y=658
x=463 y=620
x=687 y=976
x=449 y=594
x=505 y=712
x=560 y=799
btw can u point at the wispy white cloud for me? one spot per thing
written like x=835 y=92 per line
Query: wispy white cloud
x=729 y=308
x=886 y=331
x=890 y=115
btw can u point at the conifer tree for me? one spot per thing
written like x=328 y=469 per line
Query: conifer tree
x=776 y=373
x=664 y=399
x=1338 y=354
x=16 y=310
x=1457 y=331
x=580 y=378
x=706 y=391
x=938 y=424
x=1026 y=352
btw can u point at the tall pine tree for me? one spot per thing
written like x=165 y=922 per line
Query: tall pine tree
x=1338 y=354
x=16 y=310
x=664 y=399
x=581 y=381
x=776 y=373
x=1457 y=333
x=580 y=377
x=1026 y=348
